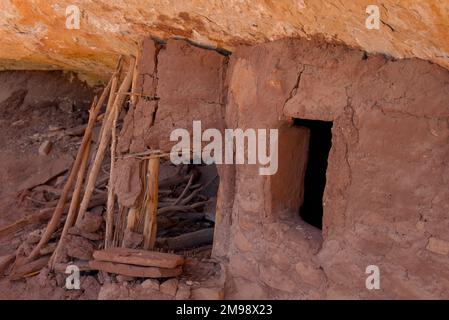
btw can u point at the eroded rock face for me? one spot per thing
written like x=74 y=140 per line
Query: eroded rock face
x=33 y=33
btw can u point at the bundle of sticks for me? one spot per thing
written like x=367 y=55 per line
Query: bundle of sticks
x=75 y=181
x=77 y=196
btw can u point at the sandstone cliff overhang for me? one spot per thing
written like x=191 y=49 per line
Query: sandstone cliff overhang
x=34 y=36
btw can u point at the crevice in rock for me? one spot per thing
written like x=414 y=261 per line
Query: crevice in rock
x=294 y=90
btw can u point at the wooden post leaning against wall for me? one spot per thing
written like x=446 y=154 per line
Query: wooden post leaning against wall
x=150 y=225
x=133 y=212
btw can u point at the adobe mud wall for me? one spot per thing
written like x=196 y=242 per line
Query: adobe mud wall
x=386 y=198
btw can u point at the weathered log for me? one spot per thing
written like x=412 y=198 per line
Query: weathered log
x=139 y=257
x=134 y=271
x=188 y=240
x=150 y=224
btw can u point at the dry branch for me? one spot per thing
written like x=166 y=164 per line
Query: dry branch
x=111 y=195
x=189 y=183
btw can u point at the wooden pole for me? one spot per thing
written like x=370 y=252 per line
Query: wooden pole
x=73 y=210
x=111 y=195
x=104 y=142
x=55 y=220
x=150 y=226
x=133 y=212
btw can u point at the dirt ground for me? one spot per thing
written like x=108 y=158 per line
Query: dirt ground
x=34 y=107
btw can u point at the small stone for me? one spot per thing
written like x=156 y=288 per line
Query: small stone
x=90 y=287
x=420 y=225
x=91 y=222
x=169 y=287
x=152 y=284
x=183 y=292
x=45 y=148
x=113 y=291
x=438 y=246
x=189 y=283
x=80 y=248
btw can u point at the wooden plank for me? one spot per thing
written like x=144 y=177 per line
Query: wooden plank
x=139 y=257
x=150 y=225
x=134 y=271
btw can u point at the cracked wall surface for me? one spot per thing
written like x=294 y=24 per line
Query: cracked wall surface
x=386 y=197
x=33 y=33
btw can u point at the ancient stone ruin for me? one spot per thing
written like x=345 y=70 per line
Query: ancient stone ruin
x=360 y=185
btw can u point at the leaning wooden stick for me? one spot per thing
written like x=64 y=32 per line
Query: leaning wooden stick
x=104 y=142
x=73 y=210
x=111 y=196
x=135 y=82
x=55 y=220
x=184 y=191
x=133 y=212
x=150 y=226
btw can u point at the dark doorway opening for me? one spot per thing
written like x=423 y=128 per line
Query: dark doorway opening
x=320 y=144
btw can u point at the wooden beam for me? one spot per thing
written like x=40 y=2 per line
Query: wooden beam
x=150 y=224
x=138 y=257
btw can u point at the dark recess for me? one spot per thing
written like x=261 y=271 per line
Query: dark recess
x=320 y=144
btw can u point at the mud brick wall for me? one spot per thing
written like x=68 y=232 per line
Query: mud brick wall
x=386 y=199
x=177 y=83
